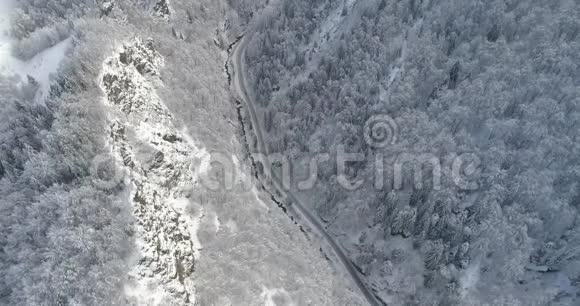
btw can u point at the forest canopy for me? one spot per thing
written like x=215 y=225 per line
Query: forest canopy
x=499 y=79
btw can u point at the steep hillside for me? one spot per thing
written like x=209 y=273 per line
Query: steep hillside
x=464 y=116
x=106 y=176
x=156 y=157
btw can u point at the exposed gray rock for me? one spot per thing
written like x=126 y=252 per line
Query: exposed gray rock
x=158 y=161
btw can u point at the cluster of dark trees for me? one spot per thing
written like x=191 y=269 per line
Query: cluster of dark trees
x=500 y=79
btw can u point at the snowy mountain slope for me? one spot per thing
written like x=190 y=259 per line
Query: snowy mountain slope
x=157 y=159
x=294 y=207
x=331 y=26
x=492 y=78
x=143 y=83
x=245 y=250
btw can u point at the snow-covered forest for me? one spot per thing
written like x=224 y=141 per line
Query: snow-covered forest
x=60 y=234
x=108 y=112
x=111 y=111
x=498 y=79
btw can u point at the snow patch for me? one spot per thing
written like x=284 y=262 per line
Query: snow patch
x=6 y=7
x=275 y=297
x=232 y=226
x=200 y=155
x=262 y=204
x=40 y=67
x=468 y=280
x=330 y=26
x=217 y=223
x=145 y=291
x=398 y=67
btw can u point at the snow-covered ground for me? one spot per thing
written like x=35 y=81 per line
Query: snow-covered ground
x=156 y=155
x=324 y=39
x=40 y=67
x=6 y=7
x=274 y=297
x=398 y=67
x=330 y=27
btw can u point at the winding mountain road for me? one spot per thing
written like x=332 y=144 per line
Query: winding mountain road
x=296 y=209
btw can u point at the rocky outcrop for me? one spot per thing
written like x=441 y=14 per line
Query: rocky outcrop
x=157 y=157
x=161 y=9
